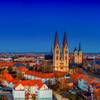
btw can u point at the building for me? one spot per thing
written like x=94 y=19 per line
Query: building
x=30 y=89
x=45 y=95
x=61 y=62
x=18 y=95
x=78 y=55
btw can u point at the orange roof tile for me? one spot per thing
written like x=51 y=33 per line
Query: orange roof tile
x=30 y=83
x=23 y=69
x=82 y=76
x=8 y=77
x=9 y=64
x=46 y=75
x=97 y=84
x=39 y=74
x=97 y=92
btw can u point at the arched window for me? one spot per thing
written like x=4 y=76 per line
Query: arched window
x=57 y=58
x=65 y=51
x=65 y=57
x=57 y=52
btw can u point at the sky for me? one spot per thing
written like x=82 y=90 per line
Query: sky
x=30 y=26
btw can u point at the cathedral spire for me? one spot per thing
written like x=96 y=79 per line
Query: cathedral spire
x=75 y=49
x=65 y=43
x=80 y=49
x=56 y=42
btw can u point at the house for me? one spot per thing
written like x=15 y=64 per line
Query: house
x=6 y=64
x=82 y=85
x=45 y=95
x=7 y=79
x=31 y=87
x=40 y=76
x=97 y=91
x=18 y=95
x=45 y=77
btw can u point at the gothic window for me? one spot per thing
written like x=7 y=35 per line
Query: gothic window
x=65 y=57
x=57 y=47
x=61 y=68
x=57 y=58
x=66 y=52
x=57 y=52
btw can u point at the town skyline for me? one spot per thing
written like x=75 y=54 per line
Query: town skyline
x=30 y=26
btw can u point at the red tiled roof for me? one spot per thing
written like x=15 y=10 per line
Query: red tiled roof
x=46 y=75
x=30 y=83
x=23 y=69
x=41 y=75
x=60 y=74
x=98 y=85
x=8 y=77
x=9 y=64
x=97 y=92
x=82 y=76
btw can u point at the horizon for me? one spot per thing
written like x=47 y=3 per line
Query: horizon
x=30 y=26
x=30 y=52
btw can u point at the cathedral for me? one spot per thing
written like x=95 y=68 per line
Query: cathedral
x=61 y=60
x=78 y=55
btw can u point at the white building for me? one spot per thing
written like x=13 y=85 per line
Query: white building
x=31 y=87
x=45 y=95
x=19 y=95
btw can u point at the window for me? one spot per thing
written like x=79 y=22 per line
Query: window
x=66 y=52
x=61 y=68
x=57 y=47
x=65 y=57
x=57 y=52
x=57 y=58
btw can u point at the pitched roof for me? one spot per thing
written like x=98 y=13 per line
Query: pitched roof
x=30 y=83
x=39 y=74
x=8 y=77
x=97 y=92
x=46 y=75
x=9 y=64
x=84 y=77
x=23 y=69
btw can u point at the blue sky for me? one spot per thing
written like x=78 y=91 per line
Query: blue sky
x=27 y=25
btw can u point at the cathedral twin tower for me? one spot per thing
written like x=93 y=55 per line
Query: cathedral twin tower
x=61 y=60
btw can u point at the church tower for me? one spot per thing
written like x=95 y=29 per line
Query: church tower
x=75 y=56
x=65 y=52
x=80 y=58
x=56 y=58
x=78 y=55
x=61 y=62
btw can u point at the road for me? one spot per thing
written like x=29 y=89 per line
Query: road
x=59 y=97
x=91 y=76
